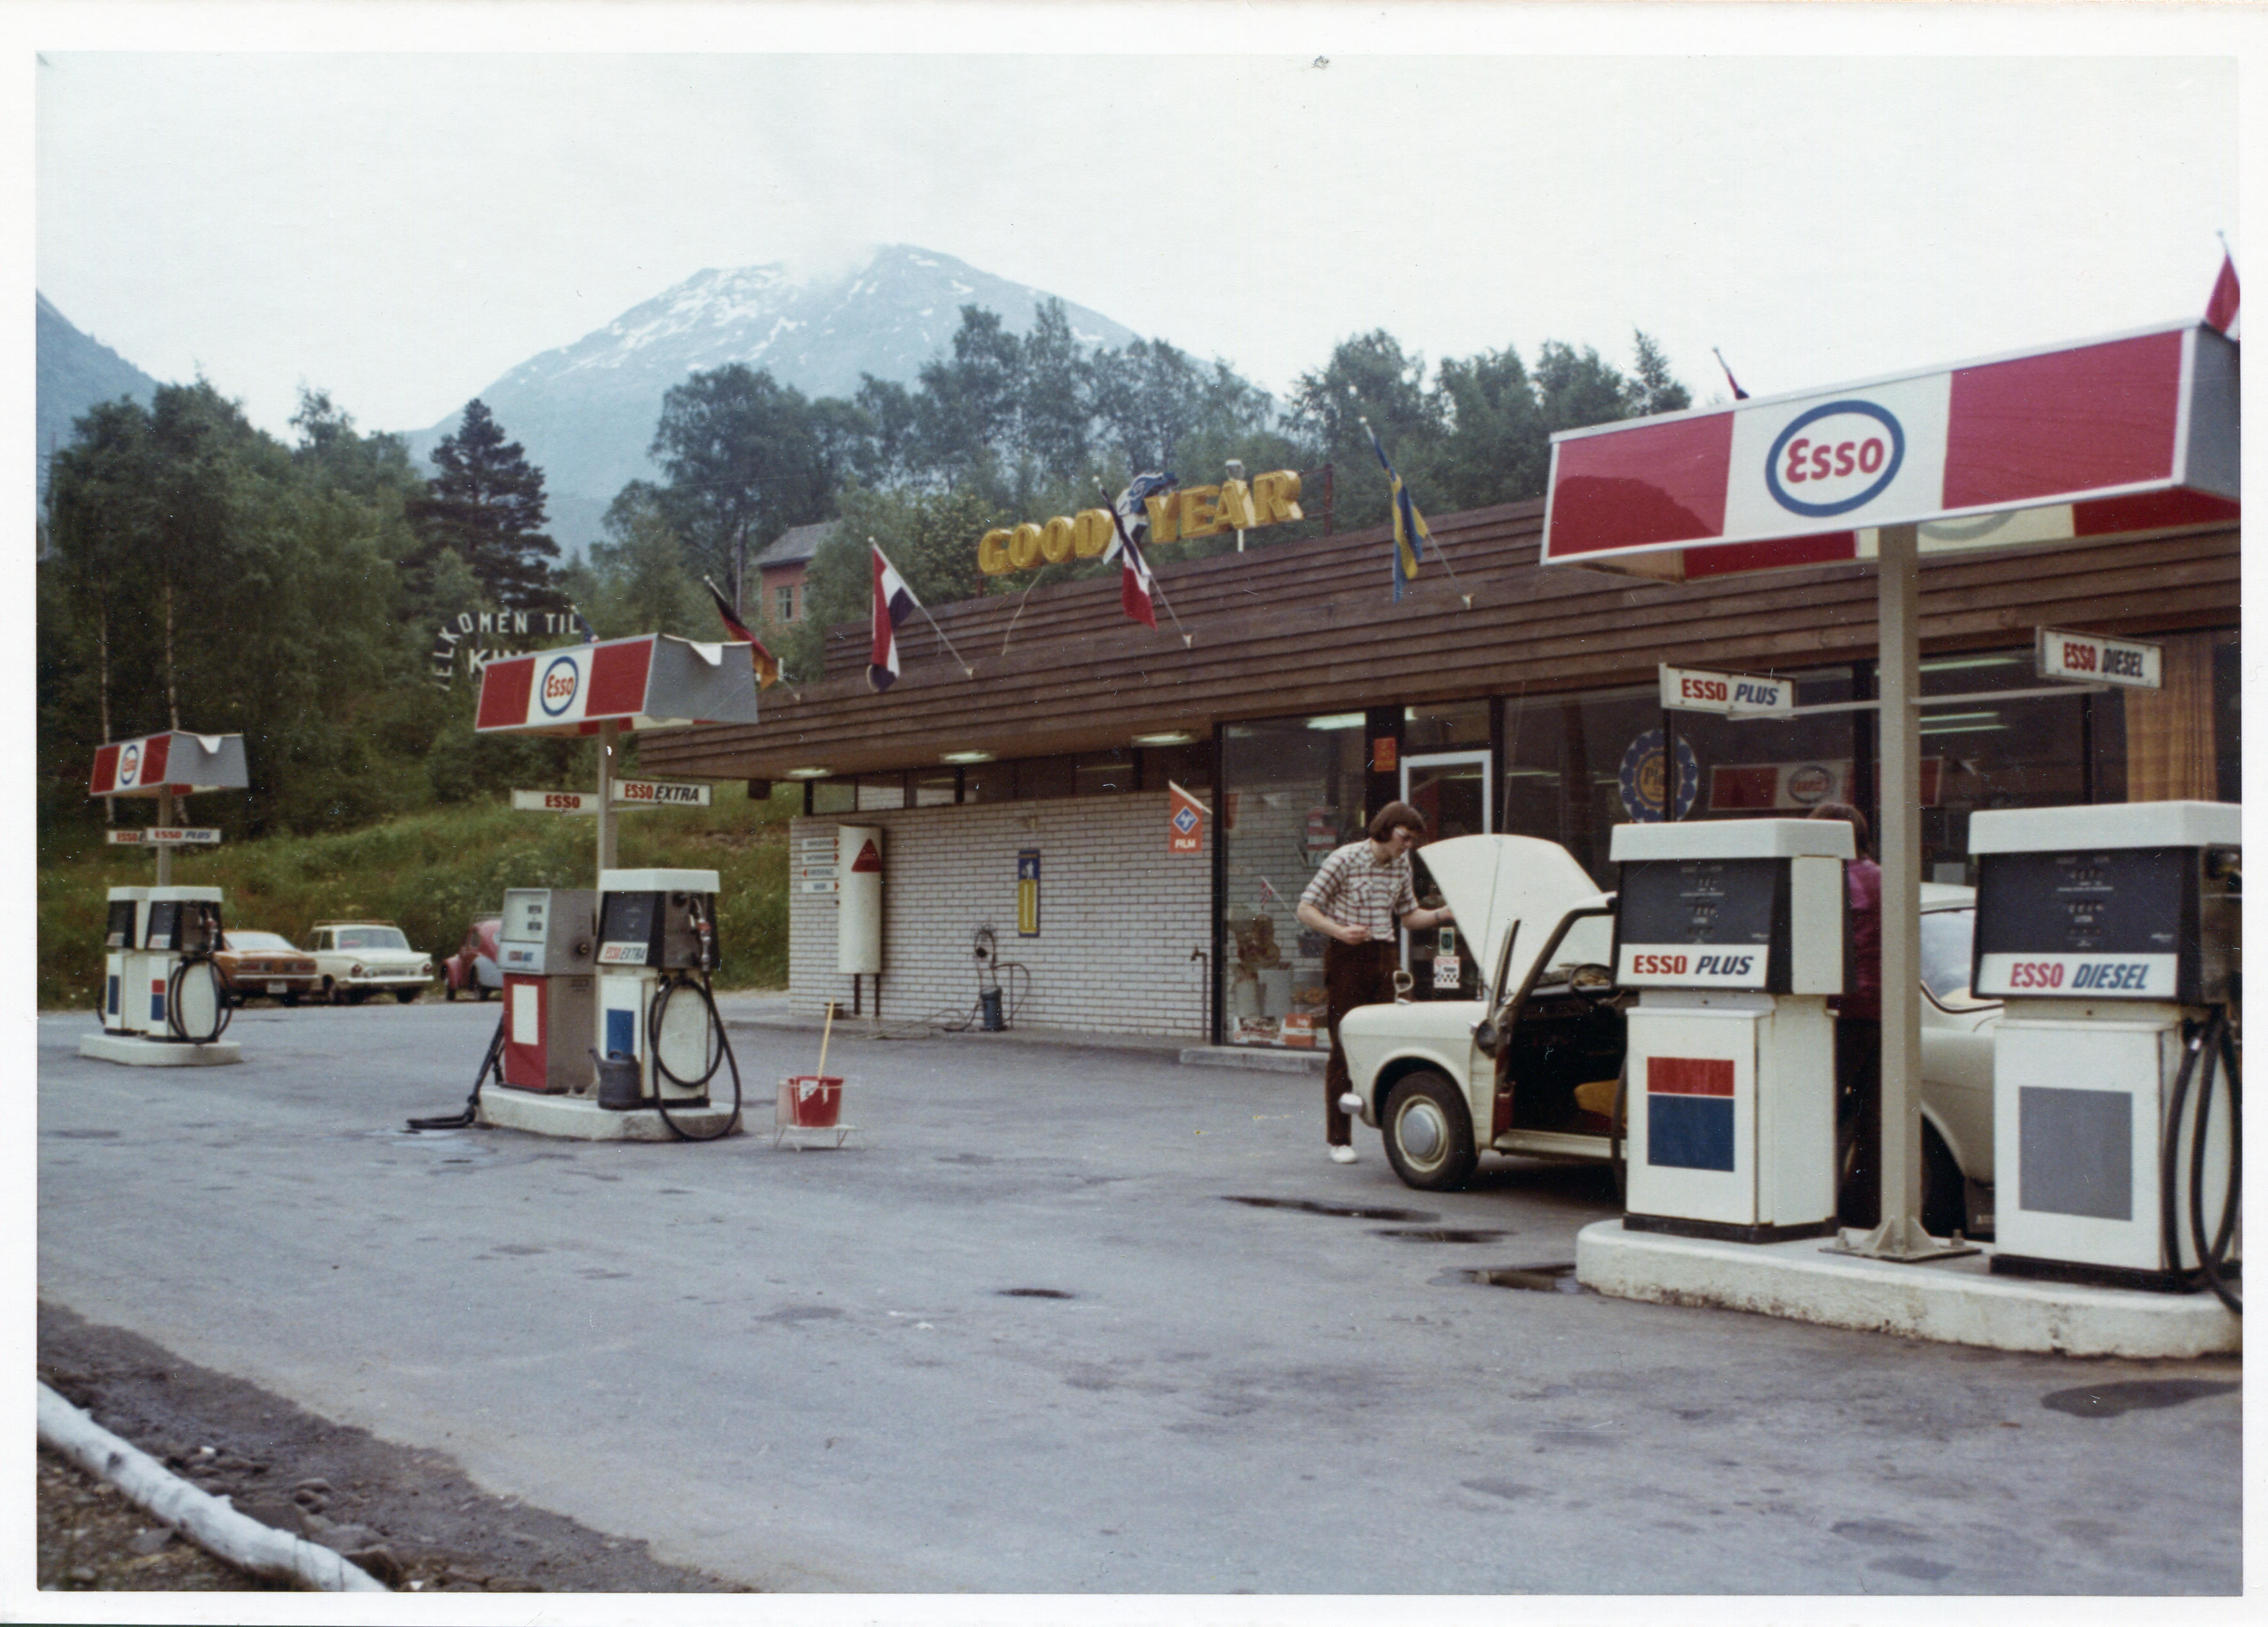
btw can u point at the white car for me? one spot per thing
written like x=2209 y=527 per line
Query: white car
x=1550 y=1024
x=358 y=959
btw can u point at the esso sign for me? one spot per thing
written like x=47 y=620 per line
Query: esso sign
x=1839 y=456
x=555 y=689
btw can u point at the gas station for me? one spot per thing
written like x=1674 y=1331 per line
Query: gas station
x=609 y=1030
x=163 y=1004
x=2112 y=931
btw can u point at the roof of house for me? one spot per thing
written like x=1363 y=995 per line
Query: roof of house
x=797 y=543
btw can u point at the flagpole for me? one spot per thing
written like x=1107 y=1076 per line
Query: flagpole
x=1118 y=523
x=1020 y=601
x=1438 y=546
x=966 y=668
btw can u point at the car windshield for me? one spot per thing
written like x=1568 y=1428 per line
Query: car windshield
x=372 y=938
x=265 y=943
x=1945 y=936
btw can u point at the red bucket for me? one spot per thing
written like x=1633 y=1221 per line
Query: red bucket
x=810 y=1100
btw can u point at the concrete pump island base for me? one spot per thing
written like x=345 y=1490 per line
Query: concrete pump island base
x=140 y=1053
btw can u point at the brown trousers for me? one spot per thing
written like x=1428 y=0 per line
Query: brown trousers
x=1353 y=975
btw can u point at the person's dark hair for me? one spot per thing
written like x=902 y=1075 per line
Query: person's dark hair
x=1394 y=815
x=1849 y=815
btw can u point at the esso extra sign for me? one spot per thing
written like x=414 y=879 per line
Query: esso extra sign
x=1685 y=688
x=1837 y=457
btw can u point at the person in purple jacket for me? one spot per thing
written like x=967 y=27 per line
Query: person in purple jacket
x=1858 y=1035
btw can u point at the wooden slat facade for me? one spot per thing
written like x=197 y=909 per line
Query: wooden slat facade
x=1309 y=627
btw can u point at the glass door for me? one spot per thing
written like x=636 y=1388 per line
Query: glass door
x=1451 y=789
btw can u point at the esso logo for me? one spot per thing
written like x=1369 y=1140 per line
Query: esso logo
x=556 y=692
x=1809 y=784
x=1834 y=458
x=129 y=765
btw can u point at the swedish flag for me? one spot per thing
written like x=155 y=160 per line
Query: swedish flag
x=1410 y=534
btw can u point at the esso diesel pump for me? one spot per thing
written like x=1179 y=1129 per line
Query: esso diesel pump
x=657 y=951
x=547 y=949
x=2114 y=934
x=1734 y=932
x=174 y=990
x=121 y=941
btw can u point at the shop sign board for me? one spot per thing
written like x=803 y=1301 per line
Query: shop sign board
x=162 y=835
x=1175 y=515
x=1685 y=688
x=175 y=761
x=554 y=801
x=1028 y=893
x=1184 y=822
x=661 y=793
x=2084 y=657
x=649 y=681
x=1772 y=787
x=2121 y=436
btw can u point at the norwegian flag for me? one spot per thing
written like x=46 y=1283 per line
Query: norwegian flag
x=1739 y=395
x=2220 y=310
x=894 y=601
x=1134 y=579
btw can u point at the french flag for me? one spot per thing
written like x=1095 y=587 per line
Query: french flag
x=894 y=601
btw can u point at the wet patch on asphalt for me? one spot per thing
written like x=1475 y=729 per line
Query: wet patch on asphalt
x=2108 y=1400
x=1343 y=1211
x=1439 y=1234
x=1035 y=1294
x=1538 y=1279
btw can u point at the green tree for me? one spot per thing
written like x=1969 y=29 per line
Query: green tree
x=744 y=459
x=1495 y=448
x=487 y=506
x=639 y=580
x=1651 y=388
x=929 y=536
x=1369 y=376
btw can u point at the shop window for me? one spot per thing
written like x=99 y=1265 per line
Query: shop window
x=934 y=787
x=1291 y=789
x=1190 y=766
x=1985 y=752
x=988 y=782
x=834 y=796
x=1445 y=725
x=1043 y=776
x=877 y=791
x=1102 y=774
x=1567 y=759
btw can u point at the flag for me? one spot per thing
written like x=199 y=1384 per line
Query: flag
x=1184 y=822
x=1410 y=532
x=1133 y=507
x=2220 y=310
x=1133 y=570
x=590 y=633
x=894 y=601
x=1739 y=395
x=766 y=665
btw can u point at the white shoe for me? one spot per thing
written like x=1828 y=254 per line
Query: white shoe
x=1351 y=1105
x=1342 y=1155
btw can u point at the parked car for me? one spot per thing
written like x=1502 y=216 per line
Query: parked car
x=264 y=963
x=473 y=969
x=1427 y=1073
x=358 y=959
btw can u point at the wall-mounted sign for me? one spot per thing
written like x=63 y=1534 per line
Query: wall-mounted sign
x=167 y=836
x=1028 y=893
x=484 y=635
x=1174 y=516
x=1643 y=779
x=1185 y=818
x=1768 y=787
x=2086 y=658
x=1684 y=689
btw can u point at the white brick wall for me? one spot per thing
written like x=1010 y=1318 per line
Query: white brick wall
x=1119 y=916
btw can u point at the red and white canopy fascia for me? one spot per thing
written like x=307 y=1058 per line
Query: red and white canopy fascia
x=650 y=681
x=174 y=761
x=2121 y=436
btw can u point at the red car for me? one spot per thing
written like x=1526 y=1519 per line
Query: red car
x=473 y=969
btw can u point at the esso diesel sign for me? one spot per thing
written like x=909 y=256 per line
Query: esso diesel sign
x=1839 y=456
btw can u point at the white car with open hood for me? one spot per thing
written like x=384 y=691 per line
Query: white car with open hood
x=1534 y=1067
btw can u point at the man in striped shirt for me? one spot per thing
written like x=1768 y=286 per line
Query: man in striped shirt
x=1356 y=898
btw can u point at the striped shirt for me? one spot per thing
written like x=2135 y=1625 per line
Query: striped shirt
x=1354 y=889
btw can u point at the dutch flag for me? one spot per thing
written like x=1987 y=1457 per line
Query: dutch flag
x=894 y=601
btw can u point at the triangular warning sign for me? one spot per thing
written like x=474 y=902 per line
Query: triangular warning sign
x=869 y=862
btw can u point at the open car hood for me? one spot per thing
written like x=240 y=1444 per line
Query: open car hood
x=1493 y=882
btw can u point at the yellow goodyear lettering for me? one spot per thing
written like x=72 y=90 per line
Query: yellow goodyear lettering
x=1092 y=534
x=1056 y=537
x=992 y=551
x=1024 y=547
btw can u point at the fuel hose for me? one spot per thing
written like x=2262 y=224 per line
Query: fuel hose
x=492 y=1062
x=2211 y=1051
x=718 y=1052
x=176 y=1026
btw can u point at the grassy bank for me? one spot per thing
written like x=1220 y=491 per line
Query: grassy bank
x=431 y=874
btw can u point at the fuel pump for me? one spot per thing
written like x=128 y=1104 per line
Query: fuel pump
x=2114 y=935
x=1736 y=933
x=121 y=941
x=657 y=949
x=188 y=1001
x=546 y=949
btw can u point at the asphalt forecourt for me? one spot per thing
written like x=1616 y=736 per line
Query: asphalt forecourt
x=1055 y=1319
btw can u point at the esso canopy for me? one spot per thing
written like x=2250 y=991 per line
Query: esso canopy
x=174 y=761
x=650 y=681
x=2122 y=436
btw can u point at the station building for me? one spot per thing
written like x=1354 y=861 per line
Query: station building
x=1026 y=805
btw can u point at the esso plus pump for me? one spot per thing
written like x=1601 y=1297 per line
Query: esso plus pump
x=547 y=951
x=174 y=989
x=2113 y=933
x=656 y=947
x=121 y=941
x=1734 y=930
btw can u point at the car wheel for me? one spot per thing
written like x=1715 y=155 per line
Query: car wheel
x=486 y=991
x=1429 y=1135
x=404 y=996
x=1944 y=1192
x=448 y=989
x=292 y=998
x=333 y=995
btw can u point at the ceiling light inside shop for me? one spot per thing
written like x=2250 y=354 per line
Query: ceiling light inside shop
x=1962 y=728
x=1171 y=737
x=966 y=756
x=1956 y=663
x=808 y=773
x=1338 y=720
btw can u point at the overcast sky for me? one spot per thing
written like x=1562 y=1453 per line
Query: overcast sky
x=1911 y=185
